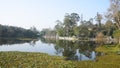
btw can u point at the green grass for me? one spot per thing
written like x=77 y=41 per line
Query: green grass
x=26 y=39
x=116 y=33
x=108 y=48
x=40 y=60
x=31 y=60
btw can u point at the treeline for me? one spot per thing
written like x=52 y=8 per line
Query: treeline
x=17 y=32
x=86 y=28
x=74 y=24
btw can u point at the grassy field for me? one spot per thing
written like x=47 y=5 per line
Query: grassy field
x=40 y=60
x=108 y=48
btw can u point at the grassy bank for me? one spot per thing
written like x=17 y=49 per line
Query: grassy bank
x=108 y=48
x=40 y=60
x=27 y=39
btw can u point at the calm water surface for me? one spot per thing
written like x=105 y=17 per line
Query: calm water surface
x=73 y=50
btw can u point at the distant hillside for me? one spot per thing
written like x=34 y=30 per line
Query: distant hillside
x=12 y=31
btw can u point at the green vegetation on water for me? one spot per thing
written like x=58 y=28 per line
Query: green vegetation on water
x=40 y=60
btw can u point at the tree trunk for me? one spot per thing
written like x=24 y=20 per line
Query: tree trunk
x=118 y=22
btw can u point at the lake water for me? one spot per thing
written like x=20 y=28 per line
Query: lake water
x=73 y=50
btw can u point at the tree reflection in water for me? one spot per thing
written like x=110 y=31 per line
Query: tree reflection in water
x=11 y=41
x=74 y=50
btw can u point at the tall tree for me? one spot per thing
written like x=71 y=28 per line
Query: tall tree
x=59 y=28
x=109 y=27
x=75 y=18
x=98 y=18
x=70 y=21
x=114 y=12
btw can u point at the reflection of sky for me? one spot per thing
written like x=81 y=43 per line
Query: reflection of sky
x=43 y=48
x=38 y=47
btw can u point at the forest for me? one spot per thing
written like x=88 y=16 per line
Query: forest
x=17 y=32
x=74 y=25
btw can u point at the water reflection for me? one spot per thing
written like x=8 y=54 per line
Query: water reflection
x=33 y=42
x=11 y=41
x=77 y=50
x=72 y=50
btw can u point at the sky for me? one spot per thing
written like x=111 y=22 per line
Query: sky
x=44 y=13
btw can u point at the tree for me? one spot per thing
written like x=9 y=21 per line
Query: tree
x=117 y=20
x=34 y=29
x=114 y=12
x=109 y=28
x=16 y=32
x=86 y=28
x=75 y=18
x=98 y=18
x=70 y=21
x=76 y=31
x=59 y=28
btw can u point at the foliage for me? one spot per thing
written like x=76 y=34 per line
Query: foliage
x=59 y=28
x=108 y=49
x=32 y=60
x=114 y=12
x=70 y=21
x=49 y=33
x=11 y=41
x=109 y=28
x=39 y=60
x=17 y=32
x=76 y=31
x=98 y=19
x=86 y=29
x=116 y=34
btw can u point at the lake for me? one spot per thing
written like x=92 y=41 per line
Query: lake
x=73 y=50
